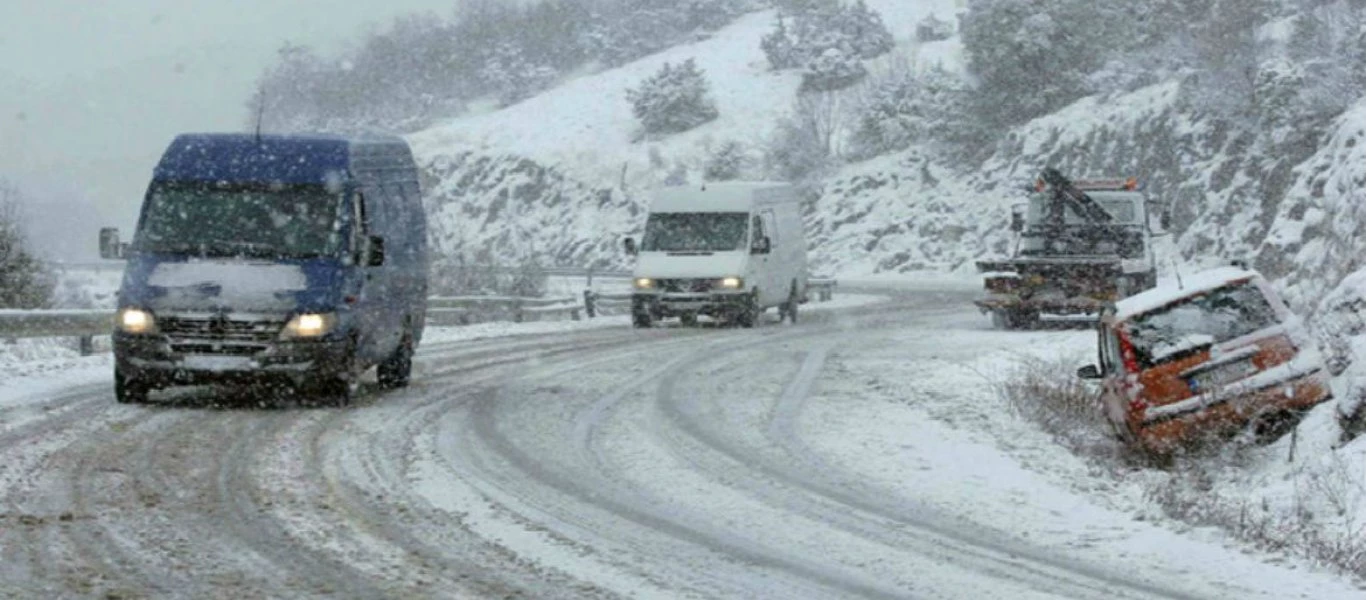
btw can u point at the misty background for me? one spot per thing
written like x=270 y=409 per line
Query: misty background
x=93 y=91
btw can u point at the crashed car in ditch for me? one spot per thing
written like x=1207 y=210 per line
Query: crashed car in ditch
x=1217 y=354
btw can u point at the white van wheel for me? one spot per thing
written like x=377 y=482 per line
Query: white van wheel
x=790 y=308
x=749 y=314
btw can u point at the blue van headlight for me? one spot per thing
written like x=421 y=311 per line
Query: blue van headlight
x=309 y=326
x=136 y=321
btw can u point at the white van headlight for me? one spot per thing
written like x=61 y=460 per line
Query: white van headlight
x=136 y=321
x=732 y=283
x=309 y=325
x=644 y=283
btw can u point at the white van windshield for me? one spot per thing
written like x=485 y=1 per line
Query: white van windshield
x=214 y=221
x=695 y=232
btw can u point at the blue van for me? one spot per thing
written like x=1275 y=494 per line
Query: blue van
x=293 y=259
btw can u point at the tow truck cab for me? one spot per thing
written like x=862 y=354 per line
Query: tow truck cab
x=1081 y=244
x=294 y=258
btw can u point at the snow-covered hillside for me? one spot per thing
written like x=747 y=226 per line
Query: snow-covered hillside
x=560 y=175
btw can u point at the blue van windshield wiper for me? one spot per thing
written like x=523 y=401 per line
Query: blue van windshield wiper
x=239 y=248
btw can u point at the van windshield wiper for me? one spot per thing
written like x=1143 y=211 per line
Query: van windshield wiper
x=241 y=248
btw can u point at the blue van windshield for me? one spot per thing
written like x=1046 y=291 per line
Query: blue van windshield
x=695 y=232
x=201 y=219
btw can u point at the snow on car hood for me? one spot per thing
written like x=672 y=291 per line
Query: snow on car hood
x=226 y=284
x=659 y=265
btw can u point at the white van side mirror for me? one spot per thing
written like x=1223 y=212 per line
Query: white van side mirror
x=630 y=245
x=761 y=246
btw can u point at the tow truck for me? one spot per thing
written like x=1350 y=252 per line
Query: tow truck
x=1080 y=245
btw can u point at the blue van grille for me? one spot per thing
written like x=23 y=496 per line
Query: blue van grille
x=220 y=329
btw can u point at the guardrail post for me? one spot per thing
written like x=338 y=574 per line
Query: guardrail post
x=518 y=315
x=589 y=301
x=87 y=345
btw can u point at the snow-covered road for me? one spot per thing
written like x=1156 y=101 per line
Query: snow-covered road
x=860 y=453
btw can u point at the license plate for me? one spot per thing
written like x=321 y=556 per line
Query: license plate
x=218 y=363
x=1222 y=376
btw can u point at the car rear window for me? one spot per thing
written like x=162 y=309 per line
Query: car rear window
x=1211 y=317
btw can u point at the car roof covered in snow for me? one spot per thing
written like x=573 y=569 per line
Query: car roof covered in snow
x=1190 y=285
x=720 y=197
x=245 y=157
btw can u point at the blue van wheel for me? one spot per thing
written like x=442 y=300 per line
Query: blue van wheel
x=397 y=370
x=130 y=390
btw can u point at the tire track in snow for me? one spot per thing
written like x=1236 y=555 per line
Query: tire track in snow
x=845 y=501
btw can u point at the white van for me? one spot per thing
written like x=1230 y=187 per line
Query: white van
x=726 y=250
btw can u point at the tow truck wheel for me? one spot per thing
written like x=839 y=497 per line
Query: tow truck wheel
x=130 y=390
x=688 y=319
x=641 y=320
x=1014 y=319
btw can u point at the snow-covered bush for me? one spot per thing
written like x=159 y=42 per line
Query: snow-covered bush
x=675 y=99
x=24 y=280
x=1229 y=56
x=805 y=145
x=1048 y=393
x=933 y=29
x=727 y=162
x=832 y=70
x=904 y=107
x=1032 y=56
x=829 y=41
x=625 y=30
x=513 y=77
x=779 y=47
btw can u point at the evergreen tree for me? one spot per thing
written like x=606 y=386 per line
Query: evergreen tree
x=728 y=162
x=675 y=99
x=1032 y=57
x=906 y=108
x=827 y=39
x=779 y=48
x=513 y=77
x=832 y=70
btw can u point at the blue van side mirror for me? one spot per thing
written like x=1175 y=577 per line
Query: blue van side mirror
x=376 y=254
x=110 y=247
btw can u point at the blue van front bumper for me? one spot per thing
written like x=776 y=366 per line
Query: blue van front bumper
x=156 y=360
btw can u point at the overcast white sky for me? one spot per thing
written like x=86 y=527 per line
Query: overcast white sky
x=92 y=90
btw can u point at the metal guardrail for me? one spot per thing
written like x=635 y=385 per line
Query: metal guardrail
x=825 y=288
x=449 y=311
x=598 y=303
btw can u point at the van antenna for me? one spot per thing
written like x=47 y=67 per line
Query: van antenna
x=260 y=111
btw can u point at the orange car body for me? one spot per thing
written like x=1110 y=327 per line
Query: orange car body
x=1207 y=359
